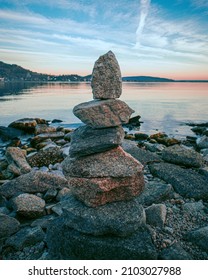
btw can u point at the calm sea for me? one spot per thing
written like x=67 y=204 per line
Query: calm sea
x=164 y=107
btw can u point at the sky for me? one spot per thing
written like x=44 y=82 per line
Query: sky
x=149 y=37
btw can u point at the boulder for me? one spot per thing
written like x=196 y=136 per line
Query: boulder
x=8 y=226
x=188 y=183
x=113 y=163
x=33 y=182
x=99 y=191
x=182 y=156
x=27 y=124
x=44 y=128
x=65 y=243
x=103 y=113
x=156 y=215
x=106 y=77
x=199 y=237
x=45 y=157
x=119 y=219
x=85 y=140
x=25 y=237
x=16 y=159
x=28 y=205
x=202 y=142
x=9 y=133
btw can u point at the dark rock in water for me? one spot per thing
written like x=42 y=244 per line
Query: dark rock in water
x=25 y=237
x=50 y=135
x=182 y=156
x=113 y=163
x=141 y=155
x=199 y=237
x=187 y=183
x=141 y=136
x=163 y=138
x=8 y=133
x=44 y=128
x=17 y=161
x=56 y=121
x=106 y=77
x=155 y=192
x=156 y=215
x=202 y=142
x=33 y=182
x=99 y=191
x=119 y=219
x=27 y=124
x=174 y=252
x=86 y=140
x=8 y=226
x=28 y=205
x=199 y=129
x=103 y=113
x=45 y=157
x=135 y=121
x=65 y=243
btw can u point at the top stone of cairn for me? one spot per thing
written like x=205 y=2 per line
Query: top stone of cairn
x=106 y=77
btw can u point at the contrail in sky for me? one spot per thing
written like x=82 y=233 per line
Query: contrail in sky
x=144 y=8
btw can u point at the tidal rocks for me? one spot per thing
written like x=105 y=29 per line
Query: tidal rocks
x=106 y=77
x=8 y=133
x=44 y=128
x=202 y=142
x=45 y=136
x=85 y=140
x=103 y=113
x=8 y=226
x=27 y=124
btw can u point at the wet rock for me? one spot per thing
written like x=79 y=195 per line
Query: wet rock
x=103 y=113
x=28 y=205
x=141 y=136
x=156 y=215
x=154 y=147
x=202 y=142
x=187 y=183
x=44 y=136
x=86 y=140
x=44 y=128
x=8 y=226
x=163 y=138
x=141 y=155
x=56 y=121
x=199 y=237
x=25 y=237
x=64 y=243
x=174 y=252
x=33 y=182
x=106 y=77
x=182 y=156
x=199 y=129
x=134 y=121
x=17 y=161
x=119 y=219
x=8 y=133
x=27 y=124
x=45 y=157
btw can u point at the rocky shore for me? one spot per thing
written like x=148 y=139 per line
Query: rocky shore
x=165 y=218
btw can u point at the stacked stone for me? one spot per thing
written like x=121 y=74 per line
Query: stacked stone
x=98 y=169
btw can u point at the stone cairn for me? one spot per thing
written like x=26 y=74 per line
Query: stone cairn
x=103 y=178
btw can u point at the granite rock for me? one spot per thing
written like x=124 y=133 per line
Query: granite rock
x=156 y=215
x=199 y=237
x=8 y=225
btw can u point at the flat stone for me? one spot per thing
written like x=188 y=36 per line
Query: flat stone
x=119 y=219
x=174 y=252
x=8 y=226
x=25 y=237
x=16 y=159
x=9 y=133
x=85 y=140
x=103 y=113
x=188 y=183
x=44 y=136
x=45 y=157
x=143 y=156
x=156 y=215
x=199 y=237
x=33 y=182
x=28 y=205
x=182 y=156
x=113 y=163
x=202 y=142
x=65 y=243
x=99 y=191
x=106 y=77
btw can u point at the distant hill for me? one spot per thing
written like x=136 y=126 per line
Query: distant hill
x=145 y=79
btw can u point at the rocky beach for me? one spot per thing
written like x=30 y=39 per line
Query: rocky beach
x=100 y=191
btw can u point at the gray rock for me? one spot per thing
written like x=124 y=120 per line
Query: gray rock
x=50 y=194
x=174 y=252
x=199 y=237
x=156 y=215
x=154 y=147
x=8 y=225
x=28 y=205
x=86 y=140
x=106 y=77
x=186 y=182
x=155 y=192
x=44 y=128
x=202 y=142
x=141 y=155
x=182 y=156
x=44 y=136
x=119 y=219
x=17 y=161
x=8 y=133
x=25 y=237
x=65 y=243
x=43 y=222
x=45 y=157
x=113 y=163
x=33 y=182
x=193 y=207
x=103 y=113
x=204 y=171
